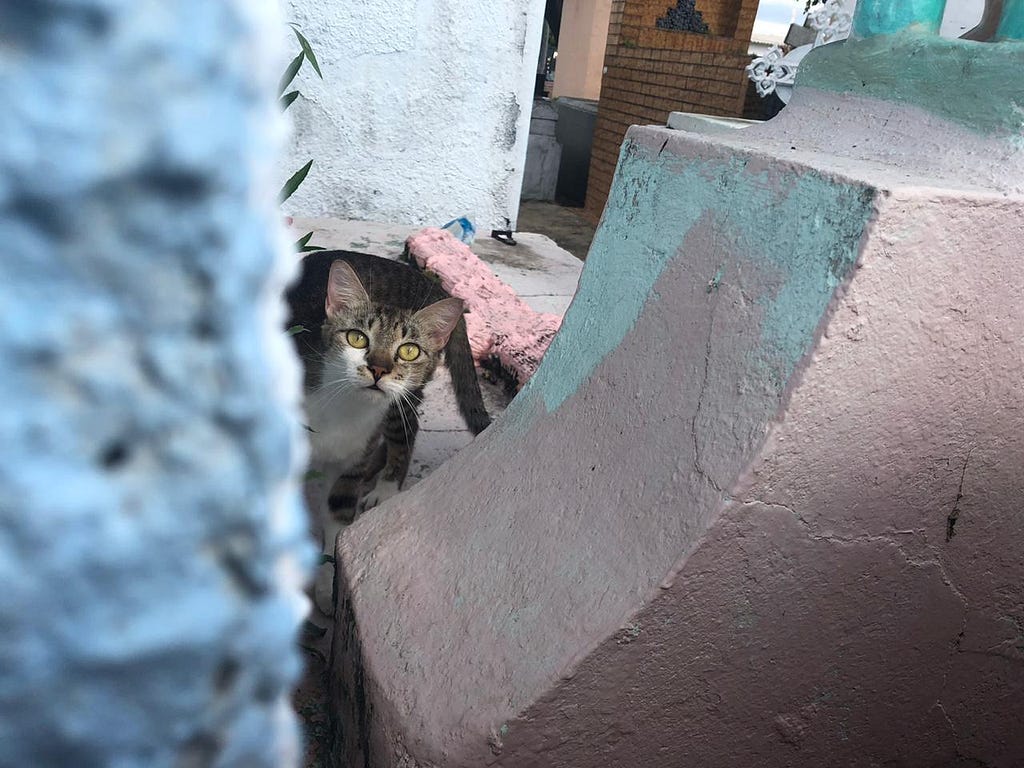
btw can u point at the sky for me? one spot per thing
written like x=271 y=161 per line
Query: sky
x=774 y=17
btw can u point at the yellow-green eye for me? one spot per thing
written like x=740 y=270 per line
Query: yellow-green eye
x=408 y=352
x=357 y=339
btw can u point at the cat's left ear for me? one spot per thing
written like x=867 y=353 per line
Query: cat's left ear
x=344 y=289
x=439 y=320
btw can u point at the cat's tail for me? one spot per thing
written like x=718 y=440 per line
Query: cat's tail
x=459 y=359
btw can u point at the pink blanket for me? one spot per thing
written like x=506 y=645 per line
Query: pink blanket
x=500 y=324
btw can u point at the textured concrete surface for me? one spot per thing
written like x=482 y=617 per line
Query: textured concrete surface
x=152 y=542
x=760 y=504
x=423 y=114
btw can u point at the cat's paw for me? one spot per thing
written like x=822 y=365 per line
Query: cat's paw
x=343 y=508
x=383 y=490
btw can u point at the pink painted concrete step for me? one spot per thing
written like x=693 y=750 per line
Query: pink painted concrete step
x=700 y=552
x=500 y=324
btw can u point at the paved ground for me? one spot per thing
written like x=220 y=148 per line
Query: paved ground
x=566 y=226
x=545 y=276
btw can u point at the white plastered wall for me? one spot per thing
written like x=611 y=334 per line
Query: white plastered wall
x=424 y=110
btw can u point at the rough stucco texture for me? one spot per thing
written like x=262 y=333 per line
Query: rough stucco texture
x=150 y=530
x=825 y=619
x=423 y=114
x=760 y=504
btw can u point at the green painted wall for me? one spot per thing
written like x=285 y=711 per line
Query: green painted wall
x=802 y=226
x=973 y=84
x=886 y=17
x=1011 y=25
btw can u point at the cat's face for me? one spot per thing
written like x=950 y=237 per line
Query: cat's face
x=380 y=351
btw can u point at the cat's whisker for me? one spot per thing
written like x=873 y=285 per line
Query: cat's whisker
x=405 y=422
x=337 y=388
x=412 y=398
x=336 y=391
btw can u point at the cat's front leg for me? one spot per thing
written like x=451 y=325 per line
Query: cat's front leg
x=382 y=491
x=343 y=500
x=400 y=428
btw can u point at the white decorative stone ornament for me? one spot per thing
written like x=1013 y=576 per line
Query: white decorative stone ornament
x=833 y=21
x=775 y=72
x=770 y=71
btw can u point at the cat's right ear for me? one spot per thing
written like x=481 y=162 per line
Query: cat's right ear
x=344 y=290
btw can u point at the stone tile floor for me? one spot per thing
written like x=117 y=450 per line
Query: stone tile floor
x=565 y=225
x=545 y=277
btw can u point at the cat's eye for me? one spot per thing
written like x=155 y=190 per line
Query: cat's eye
x=408 y=352
x=357 y=339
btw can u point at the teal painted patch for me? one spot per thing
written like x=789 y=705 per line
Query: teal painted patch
x=886 y=17
x=801 y=226
x=1011 y=24
x=972 y=84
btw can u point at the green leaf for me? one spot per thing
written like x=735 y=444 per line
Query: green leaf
x=308 y=50
x=290 y=73
x=295 y=330
x=302 y=244
x=287 y=99
x=293 y=183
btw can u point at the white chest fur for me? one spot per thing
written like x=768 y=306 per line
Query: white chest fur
x=343 y=424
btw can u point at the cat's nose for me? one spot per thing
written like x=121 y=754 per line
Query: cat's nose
x=377 y=372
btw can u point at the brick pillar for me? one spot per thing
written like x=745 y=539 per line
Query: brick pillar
x=651 y=72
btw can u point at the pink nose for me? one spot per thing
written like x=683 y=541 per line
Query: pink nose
x=377 y=372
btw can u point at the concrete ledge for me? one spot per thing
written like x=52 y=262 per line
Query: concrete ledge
x=760 y=503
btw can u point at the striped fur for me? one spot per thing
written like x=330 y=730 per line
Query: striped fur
x=361 y=402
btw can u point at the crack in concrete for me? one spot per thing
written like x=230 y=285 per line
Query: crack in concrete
x=884 y=538
x=867 y=538
x=961 y=758
x=956 y=643
x=949 y=722
x=700 y=401
x=919 y=563
x=955 y=514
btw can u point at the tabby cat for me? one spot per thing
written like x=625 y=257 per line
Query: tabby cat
x=375 y=330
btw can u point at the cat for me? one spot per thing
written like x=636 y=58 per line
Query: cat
x=371 y=332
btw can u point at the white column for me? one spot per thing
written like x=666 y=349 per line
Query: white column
x=581 y=46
